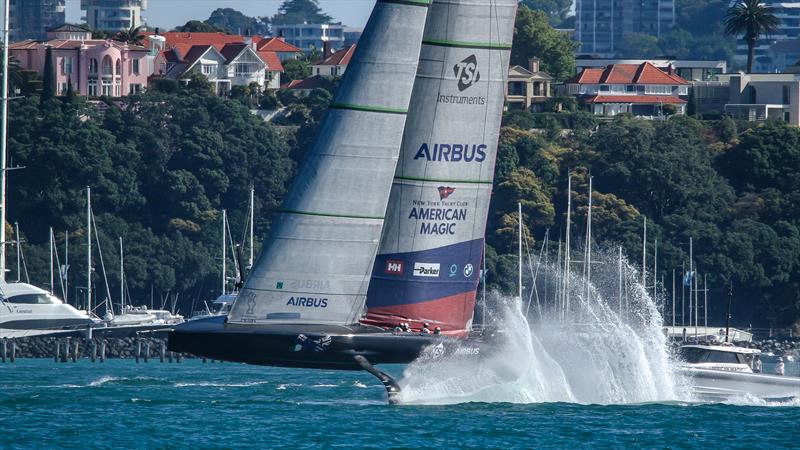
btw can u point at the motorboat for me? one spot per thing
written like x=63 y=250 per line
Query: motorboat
x=219 y=307
x=26 y=310
x=141 y=315
x=722 y=372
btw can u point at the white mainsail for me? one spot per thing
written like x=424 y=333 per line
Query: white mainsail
x=315 y=265
x=428 y=264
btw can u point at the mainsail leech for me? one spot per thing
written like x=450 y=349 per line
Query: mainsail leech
x=315 y=265
x=428 y=263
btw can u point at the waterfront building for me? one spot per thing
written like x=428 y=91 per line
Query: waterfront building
x=94 y=67
x=600 y=25
x=690 y=70
x=642 y=90
x=528 y=88
x=335 y=64
x=237 y=60
x=310 y=36
x=113 y=15
x=758 y=97
x=31 y=19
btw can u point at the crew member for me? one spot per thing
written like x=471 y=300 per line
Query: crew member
x=437 y=330
x=757 y=364
x=426 y=329
x=779 y=368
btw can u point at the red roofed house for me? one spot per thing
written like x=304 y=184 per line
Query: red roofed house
x=638 y=89
x=335 y=64
x=234 y=61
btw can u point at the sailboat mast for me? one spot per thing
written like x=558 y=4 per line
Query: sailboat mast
x=66 y=266
x=4 y=139
x=565 y=304
x=619 y=263
x=52 y=243
x=89 y=250
x=655 y=270
x=673 y=298
x=483 y=282
x=121 y=279
x=224 y=249
x=705 y=301
x=644 y=255
x=691 y=278
x=19 y=251
x=252 y=226
x=589 y=245
x=519 y=280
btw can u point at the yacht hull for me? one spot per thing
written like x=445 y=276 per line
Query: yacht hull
x=712 y=384
x=311 y=346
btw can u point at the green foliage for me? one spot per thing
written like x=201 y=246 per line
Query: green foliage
x=235 y=22
x=161 y=168
x=534 y=36
x=556 y=10
x=196 y=26
x=132 y=36
x=296 y=69
x=299 y=11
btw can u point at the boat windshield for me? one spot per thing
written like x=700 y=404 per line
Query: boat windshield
x=31 y=299
x=695 y=355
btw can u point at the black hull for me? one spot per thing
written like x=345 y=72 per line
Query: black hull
x=309 y=346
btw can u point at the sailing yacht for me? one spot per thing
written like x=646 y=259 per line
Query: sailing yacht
x=26 y=310
x=384 y=224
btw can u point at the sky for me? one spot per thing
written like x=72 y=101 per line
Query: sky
x=168 y=14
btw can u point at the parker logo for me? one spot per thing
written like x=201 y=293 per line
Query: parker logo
x=445 y=191
x=467 y=73
x=426 y=270
x=394 y=267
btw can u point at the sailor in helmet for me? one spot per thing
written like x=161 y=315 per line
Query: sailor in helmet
x=426 y=329
x=779 y=368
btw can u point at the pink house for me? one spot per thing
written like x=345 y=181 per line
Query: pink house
x=94 y=67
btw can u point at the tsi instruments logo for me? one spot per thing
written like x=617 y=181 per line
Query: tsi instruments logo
x=467 y=73
x=426 y=270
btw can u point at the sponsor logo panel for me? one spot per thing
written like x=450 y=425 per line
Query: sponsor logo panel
x=308 y=302
x=452 y=152
x=430 y=270
x=467 y=74
x=394 y=267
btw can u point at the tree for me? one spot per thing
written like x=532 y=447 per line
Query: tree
x=296 y=69
x=533 y=36
x=752 y=19
x=196 y=26
x=132 y=36
x=49 y=76
x=639 y=45
x=299 y=11
x=235 y=22
x=556 y=10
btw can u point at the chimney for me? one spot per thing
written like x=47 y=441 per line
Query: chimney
x=158 y=31
x=326 y=49
x=533 y=64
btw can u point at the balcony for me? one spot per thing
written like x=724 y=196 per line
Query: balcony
x=756 y=112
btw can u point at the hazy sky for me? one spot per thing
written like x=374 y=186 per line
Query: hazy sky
x=171 y=13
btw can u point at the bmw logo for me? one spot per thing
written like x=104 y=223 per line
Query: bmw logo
x=468 y=270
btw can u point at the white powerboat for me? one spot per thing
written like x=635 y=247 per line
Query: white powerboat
x=141 y=315
x=26 y=310
x=721 y=372
x=220 y=307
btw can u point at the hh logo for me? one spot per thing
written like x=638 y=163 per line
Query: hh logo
x=394 y=267
x=445 y=191
x=467 y=73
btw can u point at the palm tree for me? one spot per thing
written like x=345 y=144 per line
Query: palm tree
x=133 y=36
x=752 y=19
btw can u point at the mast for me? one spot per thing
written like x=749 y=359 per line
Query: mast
x=519 y=264
x=691 y=278
x=619 y=262
x=683 y=294
x=644 y=255
x=121 y=279
x=224 y=250
x=705 y=302
x=4 y=139
x=655 y=270
x=52 y=279
x=66 y=266
x=728 y=320
x=565 y=301
x=19 y=251
x=483 y=287
x=589 y=245
x=88 y=249
x=252 y=226
x=673 y=299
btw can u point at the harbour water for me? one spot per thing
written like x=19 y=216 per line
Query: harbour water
x=120 y=404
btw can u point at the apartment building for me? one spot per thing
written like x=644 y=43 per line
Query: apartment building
x=308 y=36
x=600 y=25
x=113 y=15
x=31 y=19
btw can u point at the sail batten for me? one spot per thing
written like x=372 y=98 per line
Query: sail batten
x=315 y=265
x=428 y=263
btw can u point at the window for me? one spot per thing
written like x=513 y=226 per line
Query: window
x=107 y=88
x=658 y=89
x=92 y=65
x=108 y=68
x=604 y=88
x=30 y=299
x=135 y=65
x=92 y=87
x=208 y=69
x=785 y=93
x=119 y=67
x=118 y=88
x=135 y=89
x=630 y=88
x=66 y=65
x=62 y=88
x=242 y=70
x=516 y=88
x=722 y=357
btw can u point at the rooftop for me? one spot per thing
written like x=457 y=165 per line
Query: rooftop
x=339 y=58
x=644 y=73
